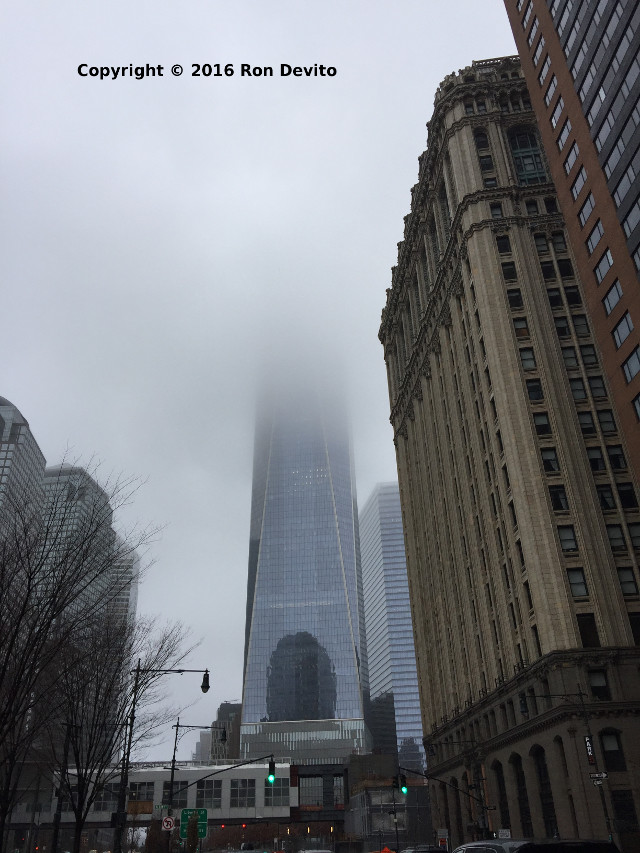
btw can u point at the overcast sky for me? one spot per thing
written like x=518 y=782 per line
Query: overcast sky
x=160 y=237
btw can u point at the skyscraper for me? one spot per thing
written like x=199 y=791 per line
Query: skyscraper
x=393 y=681
x=582 y=65
x=21 y=461
x=520 y=507
x=305 y=657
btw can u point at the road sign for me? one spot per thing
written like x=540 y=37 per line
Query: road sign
x=597 y=782
x=168 y=823
x=185 y=814
x=598 y=775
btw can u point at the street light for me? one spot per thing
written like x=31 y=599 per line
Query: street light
x=177 y=726
x=121 y=815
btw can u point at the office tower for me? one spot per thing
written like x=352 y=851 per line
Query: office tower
x=21 y=461
x=393 y=682
x=581 y=62
x=125 y=576
x=304 y=654
x=521 y=513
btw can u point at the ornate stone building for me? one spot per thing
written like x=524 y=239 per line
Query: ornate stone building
x=520 y=511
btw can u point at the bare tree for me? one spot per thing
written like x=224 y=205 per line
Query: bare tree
x=58 y=561
x=95 y=704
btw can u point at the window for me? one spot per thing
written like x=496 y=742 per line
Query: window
x=532 y=207
x=559 y=242
x=482 y=140
x=588 y=630
x=571 y=158
x=605 y=496
x=588 y=353
x=613 y=297
x=616 y=457
x=607 y=422
x=580 y=325
x=604 y=265
x=577 y=583
x=486 y=162
x=179 y=793
x=550 y=461
x=634 y=533
x=578 y=391
x=624 y=810
x=551 y=89
x=631 y=366
x=555 y=300
x=564 y=134
x=107 y=798
x=481 y=106
x=496 y=210
x=527 y=358
x=209 y=794
x=548 y=270
x=562 y=327
x=598 y=684
x=557 y=112
x=542 y=246
x=612 y=750
x=566 y=268
x=636 y=405
x=546 y=65
x=558 y=497
x=580 y=181
x=538 y=51
x=622 y=330
x=468 y=108
x=276 y=794
x=310 y=791
x=594 y=237
x=627 y=580
x=534 y=389
x=627 y=495
x=504 y=244
x=527 y=157
x=551 y=204
x=596 y=459
x=515 y=298
x=567 y=537
x=521 y=327
x=489 y=183
x=587 y=209
x=616 y=537
x=572 y=295
x=596 y=384
x=532 y=32
x=541 y=423
x=569 y=357
x=141 y=791
x=587 y=425
x=243 y=793
x=509 y=271
x=527 y=15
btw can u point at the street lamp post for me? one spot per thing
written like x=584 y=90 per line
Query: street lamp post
x=121 y=815
x=177 y=726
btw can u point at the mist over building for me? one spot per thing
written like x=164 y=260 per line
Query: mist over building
x=305 y=655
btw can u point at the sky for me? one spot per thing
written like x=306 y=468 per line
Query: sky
x=162 y=238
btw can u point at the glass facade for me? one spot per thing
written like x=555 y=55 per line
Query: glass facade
x=395 y=704
x=305 y=657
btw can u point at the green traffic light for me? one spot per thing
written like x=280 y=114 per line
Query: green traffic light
x=271 y=778
x=404 y=789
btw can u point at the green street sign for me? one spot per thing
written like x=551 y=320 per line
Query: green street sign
x=185 y=814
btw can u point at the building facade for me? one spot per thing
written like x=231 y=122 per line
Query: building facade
x=582 y=65
x=387 y=618
x=305 y=656
x=21 y=461
x=519 y=504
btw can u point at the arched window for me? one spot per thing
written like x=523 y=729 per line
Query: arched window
x=527 y=157
x=544 y=788
x=523 y=799
x=457 y=808
x=612 y=750
x=503 y=802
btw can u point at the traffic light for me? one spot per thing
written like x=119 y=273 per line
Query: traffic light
x=402 y=779
x=524 y=708
x=271 y=776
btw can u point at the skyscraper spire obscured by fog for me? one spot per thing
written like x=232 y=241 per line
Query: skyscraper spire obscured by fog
x=305 y=656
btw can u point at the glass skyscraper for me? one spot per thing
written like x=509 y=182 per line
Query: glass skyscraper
x=305 y=656
x=395 y=702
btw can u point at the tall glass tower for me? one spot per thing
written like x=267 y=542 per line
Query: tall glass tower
x=305 y=655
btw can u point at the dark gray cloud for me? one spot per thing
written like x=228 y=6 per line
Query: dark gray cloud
x=162 y=237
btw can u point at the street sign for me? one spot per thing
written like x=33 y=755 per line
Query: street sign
x=598 y=775
x=597 y=782
x=504 y=833
x=185 y=814
x=168 y=823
